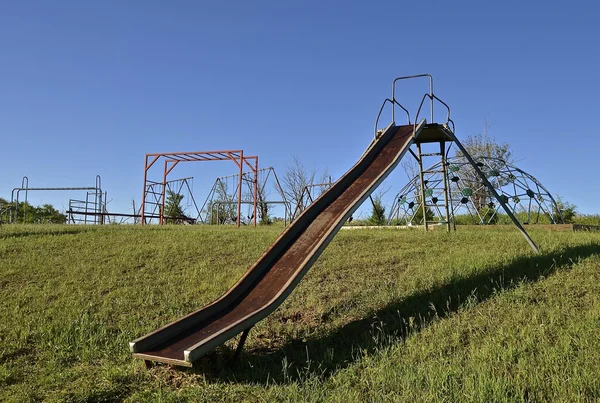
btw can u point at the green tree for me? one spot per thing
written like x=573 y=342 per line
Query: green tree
x=418 y=217
x=4 y=211
x=28 y=214
x=482 y=145
x=222 y=207
x=263 y=209
x=263 y=213
x=563 y=208
x=377 y=210
x=488 y=213
x=173 y=207
x=48 y=214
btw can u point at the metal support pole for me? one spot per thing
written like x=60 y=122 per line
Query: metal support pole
x=143 y=206
x=255 y=187
x=103 y=208
x=98 y=206
x=240 y=347
x=191 y=194
x=87 y=203
x=161 y=213
x=96 y=201
x=450 y=194
x=17 y=208
x=25 y=184
x=165 y=183
x=146 y=168
x=431 y=96
x=12 y=206
x=239 y=209
x=406 y=78
x=496 y=195
x=421 y=177
x=445 y=176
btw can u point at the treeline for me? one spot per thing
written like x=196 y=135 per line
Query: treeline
x=28 y=214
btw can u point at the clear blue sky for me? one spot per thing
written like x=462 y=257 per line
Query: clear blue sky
x=88 y=87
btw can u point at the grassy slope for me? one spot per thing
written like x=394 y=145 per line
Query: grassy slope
x=383 y=314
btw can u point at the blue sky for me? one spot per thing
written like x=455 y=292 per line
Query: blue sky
x=88 y=88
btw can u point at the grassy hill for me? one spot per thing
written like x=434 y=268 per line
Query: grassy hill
x=382 y=315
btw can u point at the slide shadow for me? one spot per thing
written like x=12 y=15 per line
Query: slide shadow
x=391 y=325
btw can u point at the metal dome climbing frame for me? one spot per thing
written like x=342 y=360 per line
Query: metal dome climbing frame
x=470 y=198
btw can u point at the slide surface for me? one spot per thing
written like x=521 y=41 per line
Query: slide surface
x=277 y=272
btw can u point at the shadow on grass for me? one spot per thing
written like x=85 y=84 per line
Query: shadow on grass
x=388 y=326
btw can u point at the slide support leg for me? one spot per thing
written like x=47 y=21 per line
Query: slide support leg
x=240 y=347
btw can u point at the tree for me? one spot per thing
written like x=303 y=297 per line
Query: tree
x=418 y=217
x=4 y=211
x=411 y=166
x=45 y=214
x=484 y=145
x=173 y=207
x=565 y=210
x=222 y=206
x=479 y=146
x=377 y=209
x=48 y=214
x=295 y=179
x=299 y=185
x=263 y=208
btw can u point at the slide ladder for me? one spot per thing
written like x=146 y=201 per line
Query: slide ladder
x=435 y=200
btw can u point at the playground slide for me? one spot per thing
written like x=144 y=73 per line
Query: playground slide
x=277 y=272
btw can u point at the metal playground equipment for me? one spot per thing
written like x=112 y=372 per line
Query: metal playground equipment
x=94 y=205
x=309 y=194
x=220 y=205
x=154 y=197
x=470 y=198
x=153 y=202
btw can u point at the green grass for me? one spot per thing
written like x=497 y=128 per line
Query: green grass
x=587 y=219
x=382 y=315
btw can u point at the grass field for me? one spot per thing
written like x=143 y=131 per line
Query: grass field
x=382 y=315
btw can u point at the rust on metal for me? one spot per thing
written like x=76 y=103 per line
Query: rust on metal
x=170 y=162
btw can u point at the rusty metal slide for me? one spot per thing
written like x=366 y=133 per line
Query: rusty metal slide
x=277 y=272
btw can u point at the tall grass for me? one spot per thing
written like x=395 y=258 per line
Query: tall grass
x=587 y=219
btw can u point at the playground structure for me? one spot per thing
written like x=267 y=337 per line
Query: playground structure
x=154 y=197
x=526 y=197
x=219 y=206
x=277 y=272
x=309 y=195
x=154 y=194
x=93 y=207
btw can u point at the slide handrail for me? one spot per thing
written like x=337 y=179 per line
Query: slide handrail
x=385 y=101
x=408 y=78
x=430 y=95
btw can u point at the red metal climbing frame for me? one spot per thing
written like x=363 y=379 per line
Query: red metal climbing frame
x=172 y=159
